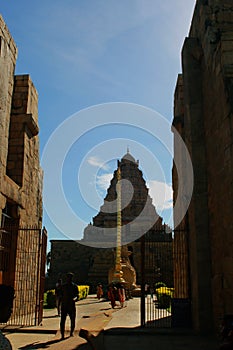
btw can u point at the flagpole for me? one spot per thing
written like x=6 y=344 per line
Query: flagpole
x=117 y=276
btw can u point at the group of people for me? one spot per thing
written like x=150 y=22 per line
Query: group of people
x=115 y=292
x=66 y=295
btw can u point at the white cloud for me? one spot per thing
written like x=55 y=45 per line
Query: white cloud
x=92 y=45
x=161 y=194
x=103 y=181
x=97 y=162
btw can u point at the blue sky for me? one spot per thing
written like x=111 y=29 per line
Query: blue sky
x=85 y=53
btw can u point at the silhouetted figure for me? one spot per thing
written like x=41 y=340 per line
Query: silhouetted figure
x=58 y=294
x=99 y=291
x=146 y=289
x=112 y=295
x=121 y=294
x=69 y=295
x=6 y=304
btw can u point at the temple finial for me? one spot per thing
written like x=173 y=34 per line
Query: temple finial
x=127 y=149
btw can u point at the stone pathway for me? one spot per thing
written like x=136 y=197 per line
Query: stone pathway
x=92 y=314
x=109 y=330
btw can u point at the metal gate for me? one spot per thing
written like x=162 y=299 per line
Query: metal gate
x=165 y=279
x=22 y=265
x=41 y=277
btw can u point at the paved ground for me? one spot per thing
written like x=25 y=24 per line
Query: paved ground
x=110 y=329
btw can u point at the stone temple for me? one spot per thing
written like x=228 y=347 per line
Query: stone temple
x=93 y=257
x=138 y=213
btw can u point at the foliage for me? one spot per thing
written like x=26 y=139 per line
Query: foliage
x=50 y=299
x=164 y=295
x=160 y=284
x=83 y=291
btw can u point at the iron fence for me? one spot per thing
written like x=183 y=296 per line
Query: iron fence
x=165 y=277
x=22 y=265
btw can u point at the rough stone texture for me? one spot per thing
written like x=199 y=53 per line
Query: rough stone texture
x=138 y=214
x=91 y=265
x=73 y=256
x=8 y=55
x=20 y=172
x=180 y=249
x=204 y=94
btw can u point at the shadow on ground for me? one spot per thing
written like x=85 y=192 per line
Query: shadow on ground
x=130 y=338
x=86 y=341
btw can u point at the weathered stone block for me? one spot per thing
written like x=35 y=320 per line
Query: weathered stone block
x=210 y=126
x=24 y=198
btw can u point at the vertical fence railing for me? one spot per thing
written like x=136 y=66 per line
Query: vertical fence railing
x=162 y=256
x=41 y=277
x=27 y=273
x=143 y=306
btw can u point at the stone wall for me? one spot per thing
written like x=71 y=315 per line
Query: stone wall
x=80 y=259
x=20 y=174
x=207 y=129
x=91 y=265
x=8 y=55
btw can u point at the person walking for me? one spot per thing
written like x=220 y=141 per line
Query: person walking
x=121 y=294
x=99 y=291
x=112 y=294
x=58 y=295
x=69 y=295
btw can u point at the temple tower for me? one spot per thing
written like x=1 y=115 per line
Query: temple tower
x=138 y=217
x=138 y=213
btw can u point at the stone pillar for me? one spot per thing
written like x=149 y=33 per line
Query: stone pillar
x=180 y=249
x=199 y=242
x=8 y=55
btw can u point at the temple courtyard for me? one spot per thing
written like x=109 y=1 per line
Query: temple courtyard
x=107 y=329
